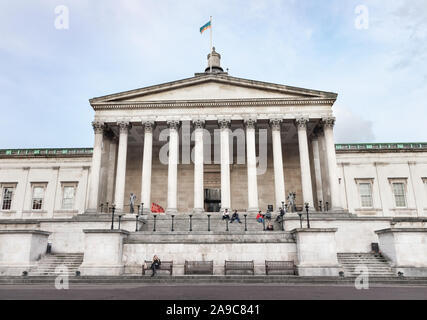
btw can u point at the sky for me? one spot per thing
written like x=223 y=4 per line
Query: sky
x=373 y=53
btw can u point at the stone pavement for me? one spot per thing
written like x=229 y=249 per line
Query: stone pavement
x=211 y=292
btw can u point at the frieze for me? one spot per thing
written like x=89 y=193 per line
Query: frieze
x=210 y=103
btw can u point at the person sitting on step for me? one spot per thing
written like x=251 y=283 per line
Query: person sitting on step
x=226 y=215
x=235 y=216
x=260 y=217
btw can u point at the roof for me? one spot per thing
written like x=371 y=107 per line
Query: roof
x=340 y=148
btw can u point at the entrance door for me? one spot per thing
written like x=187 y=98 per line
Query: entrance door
x=212 y=200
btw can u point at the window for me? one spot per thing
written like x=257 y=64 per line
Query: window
x=7 y=196
x=399 y=194
x=68 y=193
x=365 y=191
x=38 y=197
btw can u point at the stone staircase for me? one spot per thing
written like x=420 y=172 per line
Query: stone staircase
x=376 y=263
x=48 y=265
x=200 y=223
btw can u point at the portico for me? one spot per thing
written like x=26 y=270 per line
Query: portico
x=258 y=141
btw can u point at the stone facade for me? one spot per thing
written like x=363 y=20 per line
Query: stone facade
x=250 y=142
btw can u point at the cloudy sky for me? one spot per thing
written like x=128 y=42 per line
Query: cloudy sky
x=47 y=75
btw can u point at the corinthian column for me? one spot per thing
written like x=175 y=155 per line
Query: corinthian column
x=279 y=182
x=147 y=166
x=253 y=205
x=225 y=164
x=328 y=125
x=198 y=166
x=98 y=128
x=173 y=167
x=307 y=188
x=317 y=167
x=121 y=165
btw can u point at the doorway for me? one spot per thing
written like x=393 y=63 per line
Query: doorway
x=212 y=200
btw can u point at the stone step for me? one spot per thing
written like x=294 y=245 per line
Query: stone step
x=49 y=263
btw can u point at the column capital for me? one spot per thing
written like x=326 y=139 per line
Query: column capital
x=173 y=124
x=198 y=124
x=224 y=123
x=250 y=123
x=276 y=124
x=124 y=126
x=328 y=122
x=98 y=126
x=301 y=122
x=148 y=126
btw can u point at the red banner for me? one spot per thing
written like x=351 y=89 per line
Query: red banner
x=155 y=208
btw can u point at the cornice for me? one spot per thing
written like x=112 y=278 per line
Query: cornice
x=220 y=78
x=210 y=103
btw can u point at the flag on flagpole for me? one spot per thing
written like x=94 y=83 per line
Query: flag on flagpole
x=206 y=27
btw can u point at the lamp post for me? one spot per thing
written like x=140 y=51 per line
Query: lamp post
x=113 y=210
x=120 y=219
x=154 y=227
x=209 y=222
x=283 y=217
x=137 y=217
x=300 y=219
x=191 y=222
x=173 y=216
x=307 y=206
x=246 y=225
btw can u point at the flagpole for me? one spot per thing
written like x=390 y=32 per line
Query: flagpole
x=210 y=60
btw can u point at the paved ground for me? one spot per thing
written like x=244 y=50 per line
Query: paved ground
x=209 y=292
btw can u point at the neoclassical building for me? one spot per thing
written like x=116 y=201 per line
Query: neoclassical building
x=214 y=142
x=205 y=144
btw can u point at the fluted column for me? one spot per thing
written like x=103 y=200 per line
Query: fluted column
x=198 y=167
x=173 y=167
x=121 y=165
x=279 y=182
x=111 y=169
x=98 y=128
x=225 y=164
x=147 y=166
x=253 y=205
x=307 y=188
x=328 y=129
x=317 y=166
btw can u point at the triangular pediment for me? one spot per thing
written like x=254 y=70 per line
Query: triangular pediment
x=213 y=87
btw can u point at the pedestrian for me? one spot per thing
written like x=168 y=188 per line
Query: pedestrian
x=260 y=217
x=226 y=215
x=235 y=216
x=155 y=264
x=281 y=215
x=132 y=200
x=268 y=215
